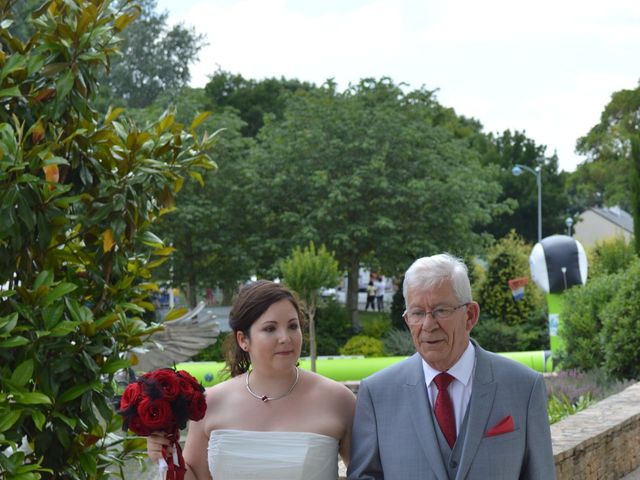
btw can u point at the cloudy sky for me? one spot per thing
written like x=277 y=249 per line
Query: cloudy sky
x=546 y=67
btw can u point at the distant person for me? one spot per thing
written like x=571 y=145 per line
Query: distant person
x=380 y=287
x=271 y=420
x=371 y=296
x=452 y=410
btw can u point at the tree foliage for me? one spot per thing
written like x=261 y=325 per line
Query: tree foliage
x=211 y=223
x=604 y=178
x=367 y=173
x=155 y=58
x=79 y=193
x=521 y=192
x=253 y=99
x=306 y=271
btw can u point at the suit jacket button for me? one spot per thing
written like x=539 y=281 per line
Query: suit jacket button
x=453 y=464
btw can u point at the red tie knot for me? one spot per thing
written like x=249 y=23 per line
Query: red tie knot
x=442 y=381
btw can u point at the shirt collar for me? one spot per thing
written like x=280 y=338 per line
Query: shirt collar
x=462 y=370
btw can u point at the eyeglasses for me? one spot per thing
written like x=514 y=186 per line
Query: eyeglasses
x=414 y=317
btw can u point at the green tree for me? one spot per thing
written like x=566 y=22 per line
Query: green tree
x=209 y=227
x=154 y=59
x=367 y=173
x=521 y=192
x=79 y=193
x=306 y=271
x=604 y=178
x=253 y=99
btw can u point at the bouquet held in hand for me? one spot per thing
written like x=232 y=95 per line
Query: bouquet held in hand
x=163 y=400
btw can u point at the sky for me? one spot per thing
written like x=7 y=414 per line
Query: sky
x=545 y=67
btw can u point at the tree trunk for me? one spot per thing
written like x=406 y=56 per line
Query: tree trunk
x=192 y=278
x=313 y=352
x=352 y=294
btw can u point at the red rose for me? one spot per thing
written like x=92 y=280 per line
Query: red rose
x=191 y=379
x=186 y=387
x=197 y=407
x=136 y=425
x=156 y=415
x=168 y=382
x=132 y=395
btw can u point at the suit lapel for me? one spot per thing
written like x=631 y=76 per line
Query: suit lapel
x=479 y=408
x=421 y=418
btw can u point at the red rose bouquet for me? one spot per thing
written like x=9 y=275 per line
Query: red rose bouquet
x=163 y=400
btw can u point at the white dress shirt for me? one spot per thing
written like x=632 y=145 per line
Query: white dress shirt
x=459 y=388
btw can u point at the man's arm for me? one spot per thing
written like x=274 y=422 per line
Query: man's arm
x=365 y=457
x=539 y=462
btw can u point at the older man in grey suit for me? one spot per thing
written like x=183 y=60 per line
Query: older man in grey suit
x=452 y=410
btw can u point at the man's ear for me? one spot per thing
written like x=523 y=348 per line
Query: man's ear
x=473 y=313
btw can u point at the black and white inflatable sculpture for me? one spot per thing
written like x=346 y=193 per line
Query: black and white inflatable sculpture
x=558 y=262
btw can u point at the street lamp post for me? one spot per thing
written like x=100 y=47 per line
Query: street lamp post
x=517 y=170
x=569 y=223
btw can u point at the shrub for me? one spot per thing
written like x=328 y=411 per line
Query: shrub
x=363 y=345
x=620 y=335
x=398 y=342
x=377 y=327
x=610 y=256
x=508 y=259
x=333 y=328
x=497 y=336
x=212 y=353
x=582 y=322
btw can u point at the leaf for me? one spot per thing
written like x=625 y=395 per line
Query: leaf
x=23 y=373
x=198 y=177
x=75 y=392
x=175 y=313
x=38 y=419
x=10 y=92
x=8 y=323
x=164 y=251
x=59 y=291
x=199 y=119
x=45 y=278
x=113 y=366
x=108 y=241
x=105 y=322
x=32 y=398
x=151 y=240
x=65 y=84
x=7 y=420
x=12 y=342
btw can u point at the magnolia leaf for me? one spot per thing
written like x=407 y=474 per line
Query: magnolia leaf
x=23 y=372
x=108 y=241
x=175 y=313
x=199 y=119
x=8 y=419
x=32 y=398
x=16 y=341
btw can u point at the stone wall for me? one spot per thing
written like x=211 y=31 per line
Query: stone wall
x=601 y=442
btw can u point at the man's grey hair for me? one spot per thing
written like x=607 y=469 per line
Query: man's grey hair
x=431 y=272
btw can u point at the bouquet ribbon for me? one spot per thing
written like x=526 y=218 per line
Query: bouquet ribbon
x=175 y=466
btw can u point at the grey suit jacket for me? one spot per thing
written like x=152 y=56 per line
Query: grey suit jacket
x=394 y=436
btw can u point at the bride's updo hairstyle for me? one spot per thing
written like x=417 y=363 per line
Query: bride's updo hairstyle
x=252 y=301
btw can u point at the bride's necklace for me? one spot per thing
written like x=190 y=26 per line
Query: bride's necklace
x=266 y=398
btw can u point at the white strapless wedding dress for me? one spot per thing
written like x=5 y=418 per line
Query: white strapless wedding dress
x=248 y=455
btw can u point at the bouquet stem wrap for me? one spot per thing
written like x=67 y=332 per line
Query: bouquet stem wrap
x=176 y=469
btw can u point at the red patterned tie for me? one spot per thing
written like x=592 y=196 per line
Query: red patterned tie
x=444 y=408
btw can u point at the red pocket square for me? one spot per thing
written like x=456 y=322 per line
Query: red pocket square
x=503 y=426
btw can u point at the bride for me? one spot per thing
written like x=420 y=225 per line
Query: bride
x=271 y=420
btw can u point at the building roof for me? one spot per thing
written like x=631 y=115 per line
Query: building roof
x=617 y=216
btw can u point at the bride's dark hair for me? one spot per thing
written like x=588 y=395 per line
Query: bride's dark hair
x=252 y=301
